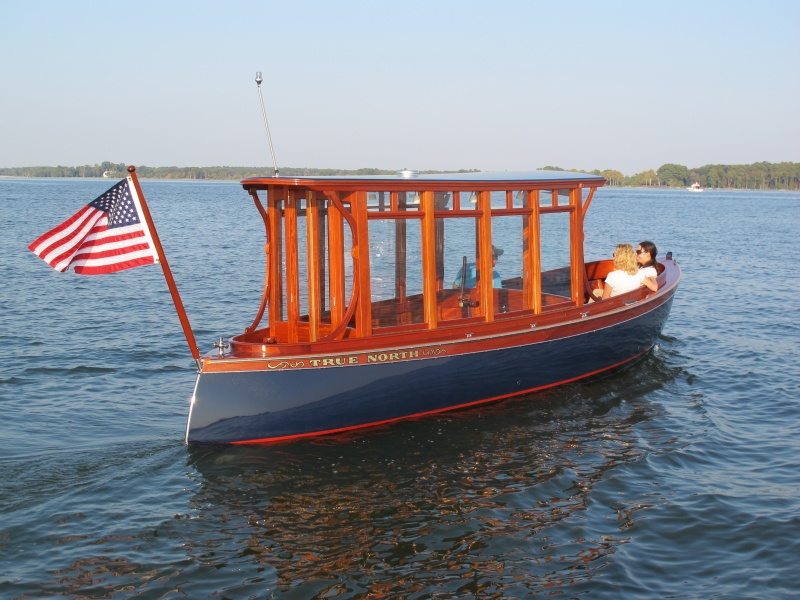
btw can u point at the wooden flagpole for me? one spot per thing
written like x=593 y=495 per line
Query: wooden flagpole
x=162 y=258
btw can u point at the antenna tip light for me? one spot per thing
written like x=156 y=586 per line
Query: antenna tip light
x=258 y=78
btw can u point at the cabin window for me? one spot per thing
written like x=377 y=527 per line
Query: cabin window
x=518 y=199
x=347 y=261
x=453 y=201
x=457 y=246
x=553 y=198
x=465 y=200
x=378 y=201
x=278 y=273
x=499 y=199
x=302 y=257
x=508 y=236
x=396 y=272
x=554 y=230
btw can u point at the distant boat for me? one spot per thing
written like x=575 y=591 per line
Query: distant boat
x=106 y=174
x=695 y=187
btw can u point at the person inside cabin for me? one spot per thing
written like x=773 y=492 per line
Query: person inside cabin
x=646 y=257
x=626 y=275
x=472 y=272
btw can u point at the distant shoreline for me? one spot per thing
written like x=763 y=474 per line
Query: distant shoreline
x=756 y=176
x=188 y=180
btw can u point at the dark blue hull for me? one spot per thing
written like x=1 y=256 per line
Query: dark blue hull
x=264 y=405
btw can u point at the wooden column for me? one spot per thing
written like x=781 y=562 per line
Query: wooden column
x=536 y=251
x=292 y=267
x=484 y=262
x=576 y=246
x=429 y=286
x=527 y=254
x=358 y=207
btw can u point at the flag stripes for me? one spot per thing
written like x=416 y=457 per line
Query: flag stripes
x=106 y=236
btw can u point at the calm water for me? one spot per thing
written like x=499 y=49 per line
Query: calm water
x=677 y=478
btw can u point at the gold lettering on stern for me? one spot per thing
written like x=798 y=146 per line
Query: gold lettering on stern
x=377 y=357
x=333 y=362
x=392 y=356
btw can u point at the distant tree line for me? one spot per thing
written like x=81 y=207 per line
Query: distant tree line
x=119 y=170
x=758 y=176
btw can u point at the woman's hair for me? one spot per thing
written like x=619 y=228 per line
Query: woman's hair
x=651 y=248
x=625 y=259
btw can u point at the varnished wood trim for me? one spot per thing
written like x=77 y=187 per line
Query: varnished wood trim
x=429 y=260
x=485 y=255
x=364 y=306
x=292 y=269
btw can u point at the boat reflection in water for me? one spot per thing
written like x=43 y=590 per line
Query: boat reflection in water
x=371 y=316
x=486 y=497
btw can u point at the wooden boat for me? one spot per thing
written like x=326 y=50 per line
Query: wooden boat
x=370 y=316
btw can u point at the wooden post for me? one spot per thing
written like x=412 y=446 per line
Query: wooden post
x=576 y=247
x=292 y=274
x=536 y=250
x=484 y=259
x=429 y=286
x=358 y=208
x=313 y=253
x=528 y=242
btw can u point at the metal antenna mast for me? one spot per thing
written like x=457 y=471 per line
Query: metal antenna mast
x=266 y=125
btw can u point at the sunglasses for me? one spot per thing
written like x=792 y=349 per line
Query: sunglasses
x=639 y=251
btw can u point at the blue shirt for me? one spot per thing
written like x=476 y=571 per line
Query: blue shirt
x=472 y=277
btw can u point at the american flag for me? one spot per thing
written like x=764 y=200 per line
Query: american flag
x=107 y=235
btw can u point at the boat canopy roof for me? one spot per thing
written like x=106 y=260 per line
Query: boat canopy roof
x=405 y=179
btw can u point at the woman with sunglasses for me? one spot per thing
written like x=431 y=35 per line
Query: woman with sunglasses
x=646 y=257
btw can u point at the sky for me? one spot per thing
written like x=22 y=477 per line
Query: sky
x=504 y=85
